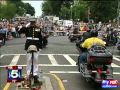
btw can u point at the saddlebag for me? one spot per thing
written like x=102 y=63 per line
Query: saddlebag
x=99 y=55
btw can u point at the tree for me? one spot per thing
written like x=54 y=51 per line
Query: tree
x=47 y=8
x=19 y=6
x=65 y=12
x=8 y=11
x=79 y=10
x=103 y=10
x=29 y=9
x=22 y=8
x=53 y=7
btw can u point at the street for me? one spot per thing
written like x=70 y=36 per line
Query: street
x=59 y=57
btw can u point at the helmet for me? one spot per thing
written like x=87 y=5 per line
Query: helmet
x=94 y=33
x=32 y=48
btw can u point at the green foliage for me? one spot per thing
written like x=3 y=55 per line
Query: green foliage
x=15 y=7
x=22 y=8
x=96 y=10
x=56 y=7
x=8 y=11
x=103 y=10
x=29 y=9
x=80 y=10
x=65 y=12
x=47 y=8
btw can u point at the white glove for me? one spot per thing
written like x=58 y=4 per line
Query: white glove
x=27 y=25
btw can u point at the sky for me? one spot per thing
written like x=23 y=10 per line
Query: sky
x=37 y=4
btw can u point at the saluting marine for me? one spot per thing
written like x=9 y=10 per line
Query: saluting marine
x=33 y=35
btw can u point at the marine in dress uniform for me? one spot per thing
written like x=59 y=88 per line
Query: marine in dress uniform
x=33 y=37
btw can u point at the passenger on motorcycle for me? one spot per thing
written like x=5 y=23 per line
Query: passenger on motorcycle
x=86 y=35
x=88 y=43
x=83 y=37
x=75 y=31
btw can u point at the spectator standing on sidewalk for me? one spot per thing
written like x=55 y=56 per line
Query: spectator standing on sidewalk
x=9 y=32
x=13 y=31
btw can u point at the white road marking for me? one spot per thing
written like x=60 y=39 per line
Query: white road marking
x=115 y=58
x=70 y=60
x=117 y=55
x=73 y=72
x=64 y=72
x=42 y=54
x=44 y=65
x=114 y=65
x=58 y=65
x=1 y=56
x=15 y=60
x=52 y=60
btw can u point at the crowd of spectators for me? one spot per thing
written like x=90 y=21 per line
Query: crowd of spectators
x=8 y=31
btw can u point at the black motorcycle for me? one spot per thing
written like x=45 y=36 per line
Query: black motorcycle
x=73 y=37
x=1 y=39
x=118 y=44
x=45 y=40
x=98 y=65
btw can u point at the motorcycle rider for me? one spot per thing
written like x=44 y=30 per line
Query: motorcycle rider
x=88 y=43
x=33 y=37
x=44 y=35
x=86 y=35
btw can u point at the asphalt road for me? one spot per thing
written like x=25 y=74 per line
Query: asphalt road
x=59 y=57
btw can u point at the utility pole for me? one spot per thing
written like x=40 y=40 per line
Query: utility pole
x=71 y=11
x=118 y=21
x=71 y=6
x=88 y=14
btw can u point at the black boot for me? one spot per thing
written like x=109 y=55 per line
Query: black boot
x=36 y=80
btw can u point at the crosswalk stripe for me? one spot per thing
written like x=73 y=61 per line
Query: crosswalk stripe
x=115 y=73
x=52 y=60
x=15 y=60
x=58 y=65
x=42 y=54
x=70 y=60
x=114 y=65
x=115 y=58
x=1 y=56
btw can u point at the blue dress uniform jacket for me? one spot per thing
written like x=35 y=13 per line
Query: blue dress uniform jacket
x=33 y=35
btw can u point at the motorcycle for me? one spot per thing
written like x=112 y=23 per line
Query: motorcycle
x=1 y=40
x=45 y=40
x=110 y=39
x=98 y=65
x=118 y=44
x=73 y=37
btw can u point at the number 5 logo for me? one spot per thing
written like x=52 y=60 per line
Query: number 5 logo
x=14 y=74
